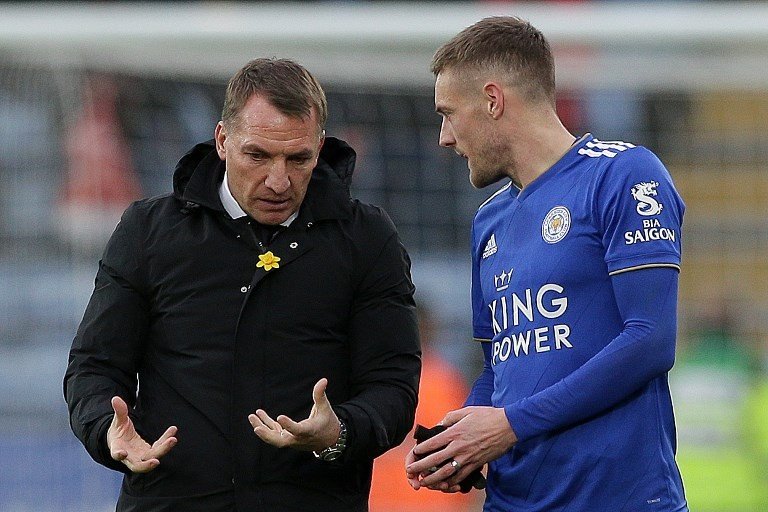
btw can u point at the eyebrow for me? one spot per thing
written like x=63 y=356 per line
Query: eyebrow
x=255 y=148
x=301 y=154
x=442 y=110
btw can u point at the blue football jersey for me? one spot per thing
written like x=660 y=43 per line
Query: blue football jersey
x=543 y=260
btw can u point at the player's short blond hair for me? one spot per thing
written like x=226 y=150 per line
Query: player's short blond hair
x=504 y=44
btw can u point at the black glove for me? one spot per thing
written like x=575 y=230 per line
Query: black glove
x=475 y=479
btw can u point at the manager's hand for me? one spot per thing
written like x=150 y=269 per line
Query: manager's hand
x=127 y=446
x=474 y=437
x=320 y=430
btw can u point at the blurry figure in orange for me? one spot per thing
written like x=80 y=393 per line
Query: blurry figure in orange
x=442 y=389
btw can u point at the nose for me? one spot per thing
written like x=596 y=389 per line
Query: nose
x=277 y=179
x=446 y=135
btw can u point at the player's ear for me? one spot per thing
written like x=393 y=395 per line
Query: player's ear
x=220 y=135
x=493 y=95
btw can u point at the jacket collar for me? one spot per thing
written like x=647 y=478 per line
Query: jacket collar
x=199 y=172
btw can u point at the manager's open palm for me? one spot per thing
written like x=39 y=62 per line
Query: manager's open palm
x=128 y=447
x=318 y=431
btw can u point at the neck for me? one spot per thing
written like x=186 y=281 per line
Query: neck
x=539 y=147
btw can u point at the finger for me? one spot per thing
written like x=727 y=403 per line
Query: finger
x=412 y=478
x=264 y=423
x=267 y=420
x=119 y=455
x=276 y=437
x=169 y=433
x=121 y=411
x=272 y=437
x=410 y=458
x=453 y=417
x=413 y=481
x=141 y=466
x=452 y=483
x=318 y=393
x=458 y=476
x=255 y=421
x=164 y=444
x=438 y=442
x=291 y=426
x=438 y=479
x=159 y=450
x=425 y=465
x=446 y=488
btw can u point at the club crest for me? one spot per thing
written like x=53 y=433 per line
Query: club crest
x=556 y=224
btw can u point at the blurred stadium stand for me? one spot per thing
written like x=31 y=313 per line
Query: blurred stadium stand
x=689 y=80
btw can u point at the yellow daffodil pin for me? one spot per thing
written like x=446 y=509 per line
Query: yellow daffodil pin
x=268 y=261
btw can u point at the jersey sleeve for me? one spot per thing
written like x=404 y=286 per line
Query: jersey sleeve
x=482 y=389
x=639 y=212
x=643 y=351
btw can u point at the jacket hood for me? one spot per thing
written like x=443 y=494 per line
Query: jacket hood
x=198 y=173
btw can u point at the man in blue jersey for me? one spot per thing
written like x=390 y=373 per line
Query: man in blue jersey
x=574 y=289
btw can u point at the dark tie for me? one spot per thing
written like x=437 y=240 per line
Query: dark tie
x=266 y=233
x=263 y=234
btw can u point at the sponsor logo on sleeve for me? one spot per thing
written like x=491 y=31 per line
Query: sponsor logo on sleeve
x=645 y=194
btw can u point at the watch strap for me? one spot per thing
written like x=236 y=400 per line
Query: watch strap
x=335 y=451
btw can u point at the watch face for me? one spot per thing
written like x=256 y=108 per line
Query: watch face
x=332 y=455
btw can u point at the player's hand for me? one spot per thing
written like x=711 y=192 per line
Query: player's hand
x=127 y=446
x=474 y=437
x=320 y=430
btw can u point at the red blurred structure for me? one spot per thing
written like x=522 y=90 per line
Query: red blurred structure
x=100 y=180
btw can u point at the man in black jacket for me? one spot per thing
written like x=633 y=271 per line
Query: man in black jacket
x=251 y=342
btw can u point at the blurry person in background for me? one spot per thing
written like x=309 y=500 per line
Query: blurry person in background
x=100 y=180
x=442 y=388
x=251 y=342
x=575 y=264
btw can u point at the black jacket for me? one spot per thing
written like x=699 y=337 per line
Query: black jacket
x=185 y=327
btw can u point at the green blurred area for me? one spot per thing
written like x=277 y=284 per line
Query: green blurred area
x=721 y=407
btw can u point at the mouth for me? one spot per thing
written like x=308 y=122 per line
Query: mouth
x=274 y=204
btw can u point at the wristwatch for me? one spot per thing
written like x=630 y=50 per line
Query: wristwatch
x=335 y=451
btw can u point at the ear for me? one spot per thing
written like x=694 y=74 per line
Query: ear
x=493 y=96
x=220 y=135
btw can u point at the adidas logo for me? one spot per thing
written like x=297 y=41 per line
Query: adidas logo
x=490 y=247
x=609 y=148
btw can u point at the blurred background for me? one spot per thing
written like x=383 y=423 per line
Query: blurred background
x=99 y=100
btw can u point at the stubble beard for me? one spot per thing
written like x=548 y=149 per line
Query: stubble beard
x=490 y=166
x=482 y=178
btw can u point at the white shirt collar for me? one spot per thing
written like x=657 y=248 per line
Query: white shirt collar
x=228 y=201
x=233 y=208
